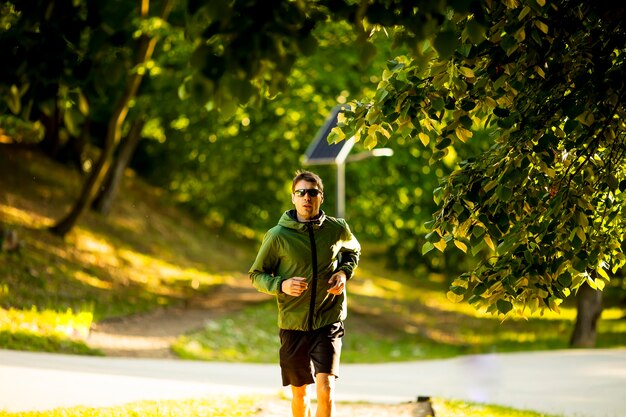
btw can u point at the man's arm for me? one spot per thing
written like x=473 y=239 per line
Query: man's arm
x=349 y=253
x=262 y=272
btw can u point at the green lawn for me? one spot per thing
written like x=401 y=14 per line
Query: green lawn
x=249 y=406
x=404 y=318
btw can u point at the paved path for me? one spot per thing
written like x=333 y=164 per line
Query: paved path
x=574 y=383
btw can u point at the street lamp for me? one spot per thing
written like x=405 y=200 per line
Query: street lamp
x=320 y=152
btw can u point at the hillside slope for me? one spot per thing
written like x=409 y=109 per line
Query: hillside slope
x=146 y=254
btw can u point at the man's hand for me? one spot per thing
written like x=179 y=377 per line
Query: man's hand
x=337 y=283
x=294 y=286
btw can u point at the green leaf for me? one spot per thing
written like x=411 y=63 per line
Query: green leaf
x=458 y=290
x=427 y=247
x=565 y=279
x=501 y=112
x=467 y=72
x=504 y=306
x=504 y=193
x=570 y=125
x=370 y=142
x=579 y=264
x=455 y=298
x=475 y=31
x=476 y=299
x=432 y=237
x=445 y=44
x=480 y=246
x=443 y=143
x=336 y=135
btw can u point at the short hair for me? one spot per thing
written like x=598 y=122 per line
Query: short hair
x=307 y=176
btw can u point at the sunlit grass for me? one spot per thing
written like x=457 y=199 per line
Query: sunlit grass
x=463 y=409
x=245 y=406
x=145 y=254
x=250 y=335
x=45 y=330
x=213 y=407
x=62 y=323
x=396 y=316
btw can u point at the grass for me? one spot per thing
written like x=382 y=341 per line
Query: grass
x=463 y=409
x=248 y=406
x=64 y=331
x=214 y=407
x=399 y=319
x=146 y=254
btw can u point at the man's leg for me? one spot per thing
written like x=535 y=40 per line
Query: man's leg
x=325 y=395
x=300 y=402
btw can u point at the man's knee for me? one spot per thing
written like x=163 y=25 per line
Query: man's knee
x=325 y=385
x=299 y=392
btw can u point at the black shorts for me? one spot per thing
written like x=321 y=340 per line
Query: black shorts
x=304 y=354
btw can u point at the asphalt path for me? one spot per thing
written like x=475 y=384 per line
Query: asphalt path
x=573 y=383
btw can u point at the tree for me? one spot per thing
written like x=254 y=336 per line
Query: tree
x=547 y=198
x=145 y=48
x=545 y=79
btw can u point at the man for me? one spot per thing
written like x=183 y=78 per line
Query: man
x=305 y=261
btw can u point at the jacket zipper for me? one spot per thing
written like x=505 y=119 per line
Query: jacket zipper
x=314 y=283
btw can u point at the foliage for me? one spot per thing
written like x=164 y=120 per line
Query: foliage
x=216 y=166
x=206 y=161
x=68 y=60
x=546 y=200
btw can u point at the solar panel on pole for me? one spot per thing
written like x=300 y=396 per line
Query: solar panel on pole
x=320 y=152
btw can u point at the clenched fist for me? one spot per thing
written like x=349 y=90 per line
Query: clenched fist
x=294 y=286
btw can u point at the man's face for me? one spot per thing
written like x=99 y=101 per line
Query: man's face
x=307 y=206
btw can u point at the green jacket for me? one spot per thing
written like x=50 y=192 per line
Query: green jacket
x=314 y=250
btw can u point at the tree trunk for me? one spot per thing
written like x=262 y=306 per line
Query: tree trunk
x=589 y=310
x=104 y=200
x=114 y=131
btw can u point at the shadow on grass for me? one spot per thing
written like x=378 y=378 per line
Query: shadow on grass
x=31 y=342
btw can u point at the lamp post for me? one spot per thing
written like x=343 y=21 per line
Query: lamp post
x=341 y=174
x=320 y=152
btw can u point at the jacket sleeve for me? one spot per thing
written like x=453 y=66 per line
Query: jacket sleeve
x=349 y=253
x=263 y=270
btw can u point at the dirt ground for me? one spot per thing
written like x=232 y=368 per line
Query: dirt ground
x=150 y=336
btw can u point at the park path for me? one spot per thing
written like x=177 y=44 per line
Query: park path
x=150 y=335
x=571 y=383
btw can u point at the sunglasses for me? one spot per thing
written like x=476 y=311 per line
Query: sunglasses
x=313 y=192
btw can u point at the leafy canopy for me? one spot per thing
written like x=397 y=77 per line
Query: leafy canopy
x=545 y=202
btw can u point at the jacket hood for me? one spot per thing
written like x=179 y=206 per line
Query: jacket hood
x=289 y=219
